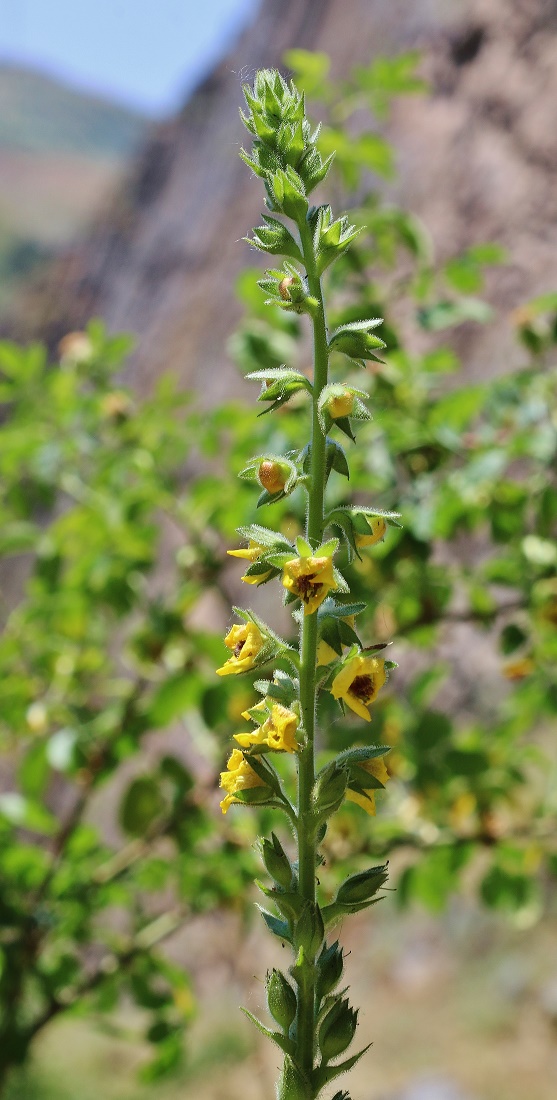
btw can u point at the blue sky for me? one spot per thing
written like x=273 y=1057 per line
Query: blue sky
x=144 y=53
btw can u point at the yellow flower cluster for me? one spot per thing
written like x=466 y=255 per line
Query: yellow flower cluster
x=278 y=732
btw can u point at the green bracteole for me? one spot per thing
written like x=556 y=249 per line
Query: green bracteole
x=315 y=1022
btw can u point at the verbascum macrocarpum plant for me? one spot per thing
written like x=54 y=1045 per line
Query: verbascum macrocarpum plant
x=313 y=1022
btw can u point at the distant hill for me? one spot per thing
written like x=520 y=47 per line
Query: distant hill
x=61 y=153
x=38 y=114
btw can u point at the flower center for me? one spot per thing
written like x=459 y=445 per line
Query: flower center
x=239 y=647
x=362 y=688
x=307 y=589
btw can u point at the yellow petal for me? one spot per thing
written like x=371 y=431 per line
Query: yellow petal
x=367 y=804
x=378 y=529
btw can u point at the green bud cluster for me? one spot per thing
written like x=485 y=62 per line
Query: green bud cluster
x=284 y=152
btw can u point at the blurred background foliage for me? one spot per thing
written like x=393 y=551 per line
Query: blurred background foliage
x=116 y=514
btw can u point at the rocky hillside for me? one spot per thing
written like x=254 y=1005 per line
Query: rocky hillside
x=61 y=155
x=476 y=162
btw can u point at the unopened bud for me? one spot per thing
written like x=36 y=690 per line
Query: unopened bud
x=340 y=404
x=309 y=930
x=116 y=405
x=363 y=886
x=330 y=788
x=276 y=861
x=337 y=1030
x=284 y=287
x=281 y=999
x=273 y=476
x=330 y=966
x=37 y=717
x=291 y=1084
x=75 y=347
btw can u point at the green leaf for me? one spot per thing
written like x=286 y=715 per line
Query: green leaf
x=173 y=698
x=143 y=804
x=282 y=1041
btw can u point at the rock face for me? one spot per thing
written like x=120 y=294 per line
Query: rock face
x=476 y=162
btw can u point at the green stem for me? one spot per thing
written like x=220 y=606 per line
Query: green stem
x=306 y=770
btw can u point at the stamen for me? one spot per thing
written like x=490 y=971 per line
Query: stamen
x=306 y=588
x=362 y=688
x=239 y=647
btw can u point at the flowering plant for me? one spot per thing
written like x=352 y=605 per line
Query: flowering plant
x=314 y=1023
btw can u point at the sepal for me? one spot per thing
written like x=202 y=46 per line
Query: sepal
x=276 y=474
x=279 y=384
x=356 y=340
x=309 y=930
x=278 y=927
x=275 y=238
x=363 y=886
x=337 y=1030
x=288 y=193
x=331 y=238
x=292 y=1084
x=330 y=967
x=289 y=290
x=324 y=1074
x=276 y=861
x=281 y=999
x=329 y=790
x=338 y=404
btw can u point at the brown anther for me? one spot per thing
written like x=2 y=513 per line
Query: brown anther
x=362 y=688
x=306 y=588
x=238 y=648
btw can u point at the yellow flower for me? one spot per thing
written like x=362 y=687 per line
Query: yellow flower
x=378 y=770
x=239 y=776
x=378 y=531
x=359 y=682
x=246 y=641
x=310 y=579
x=278 y=731
x=340 y=405
x=251 y=553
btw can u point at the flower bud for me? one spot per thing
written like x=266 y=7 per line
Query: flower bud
x=330 y=966
x=361 y=887
x=273 y=476
x=276 y=861
x=340 y=404
x=75 y=347
x=309 y=930
x=37 y=718
x=330 y=788
x=281 y=999
x=291 y=1083
x=337 y=1030
x=284 y=286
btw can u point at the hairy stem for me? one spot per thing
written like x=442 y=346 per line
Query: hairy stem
x=308 y=648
